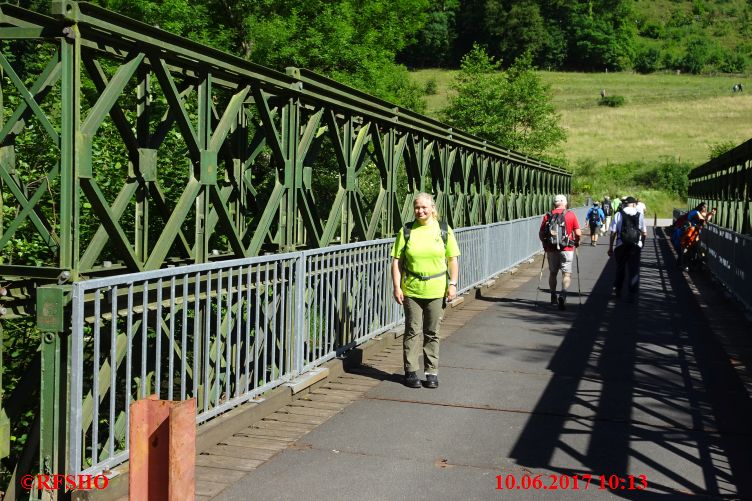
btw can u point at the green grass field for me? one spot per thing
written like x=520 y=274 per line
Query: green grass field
x=665 y=116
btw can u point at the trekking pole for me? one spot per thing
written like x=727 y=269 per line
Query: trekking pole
x=540 y=277
x=579 y=289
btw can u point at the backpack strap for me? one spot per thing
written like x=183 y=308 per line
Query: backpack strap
x=406 y=229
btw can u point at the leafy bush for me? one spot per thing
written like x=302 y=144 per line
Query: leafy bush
x=648 y=60
x=612 y=101
x=431 y=87
x=733 y=61
x=652 y=30
x=670 y=175
x=715 y=150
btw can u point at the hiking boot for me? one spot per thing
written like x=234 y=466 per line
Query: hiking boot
x=553 y=298
x=432 y=381
x=412 y=380
x=561 y=303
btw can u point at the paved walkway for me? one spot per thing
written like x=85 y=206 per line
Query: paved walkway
x=659 y=388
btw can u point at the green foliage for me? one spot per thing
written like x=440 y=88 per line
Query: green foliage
x=612 y=101
x=511 y=108
x=647 y=60
x=715 y=150
x=431 y=87
x=434 y=43
x=661 y=185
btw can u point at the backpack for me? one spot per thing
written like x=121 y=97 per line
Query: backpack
x=630 y=229
x=555 y=232
x=406 y=230
x=606 y=209
x=595 y=218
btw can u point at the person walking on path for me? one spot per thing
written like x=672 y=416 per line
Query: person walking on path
x=595 y=219
x=424 y=255
x=560 y=233
x=607 y=211
x=616 y=204
x=628 y=232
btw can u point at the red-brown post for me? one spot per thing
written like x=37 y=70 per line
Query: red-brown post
x=162 y=449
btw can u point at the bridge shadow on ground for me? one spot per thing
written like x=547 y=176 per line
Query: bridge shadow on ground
x=644 y=388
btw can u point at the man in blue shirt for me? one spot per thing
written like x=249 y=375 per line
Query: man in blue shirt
x=595 y=219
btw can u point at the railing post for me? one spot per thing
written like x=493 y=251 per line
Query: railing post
x=76 y=377
x=300 y=327
x=53 y=384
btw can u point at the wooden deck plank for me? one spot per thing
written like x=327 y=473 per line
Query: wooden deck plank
x=222 y=462
x=282 y=425
x=219 y=475
x=311 y=421
x=257 y=442
x=235 y=451
x=270 y=433
x=210 y=489
x=309 y=411
x=326 y=397
x=318 y=404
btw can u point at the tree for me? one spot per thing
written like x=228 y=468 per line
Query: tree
x=511 y=108
x=434 y=43
x=352 y=41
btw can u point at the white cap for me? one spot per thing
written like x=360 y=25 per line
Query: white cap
x=560 y=199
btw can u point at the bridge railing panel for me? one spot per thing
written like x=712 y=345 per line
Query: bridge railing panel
x=226 y=332
x=729 y=258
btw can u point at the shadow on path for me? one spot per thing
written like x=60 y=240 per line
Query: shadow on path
x=670 y=404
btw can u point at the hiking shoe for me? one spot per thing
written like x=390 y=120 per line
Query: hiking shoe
x=553 y=298
x=412 y=380
x=432 y=381
x=561 y=303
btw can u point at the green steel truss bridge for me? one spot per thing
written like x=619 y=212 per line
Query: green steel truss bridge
x=726 y=183
x=126 y=149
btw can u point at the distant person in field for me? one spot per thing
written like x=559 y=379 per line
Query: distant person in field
x=603 y=93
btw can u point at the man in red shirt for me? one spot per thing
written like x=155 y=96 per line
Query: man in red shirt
x=560 y=233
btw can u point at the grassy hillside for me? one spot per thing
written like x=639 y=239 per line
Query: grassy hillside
x=666 y=116
x=667 y=22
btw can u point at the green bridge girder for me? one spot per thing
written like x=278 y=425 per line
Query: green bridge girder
x=230 y=116
x=726 y=183
x=125 y=148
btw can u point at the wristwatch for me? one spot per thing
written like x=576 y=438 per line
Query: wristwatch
x=453 y=283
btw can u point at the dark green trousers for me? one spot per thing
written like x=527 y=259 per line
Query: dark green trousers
x=422 y=320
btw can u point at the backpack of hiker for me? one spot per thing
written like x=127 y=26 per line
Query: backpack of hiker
x=630 y=229
x=554 y=233
x=594 y=217
x=681 y=220
x=607 y=208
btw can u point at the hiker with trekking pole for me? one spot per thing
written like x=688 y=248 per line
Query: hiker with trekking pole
x=560 y=234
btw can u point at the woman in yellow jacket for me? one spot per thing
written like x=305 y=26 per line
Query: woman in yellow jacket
x=419 y=276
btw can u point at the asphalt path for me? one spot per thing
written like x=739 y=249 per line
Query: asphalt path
x=609 y=399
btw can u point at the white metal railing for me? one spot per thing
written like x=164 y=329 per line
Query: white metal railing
x=226 y=332
x=728 y=256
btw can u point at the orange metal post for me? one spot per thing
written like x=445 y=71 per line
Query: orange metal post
x=162 y=450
